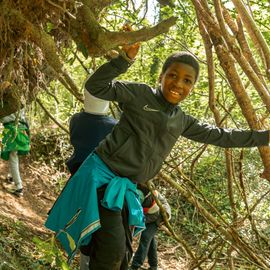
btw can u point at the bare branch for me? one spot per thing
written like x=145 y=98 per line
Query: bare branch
x=121 y=38
x=255 y=34
x=97 y=5
x=47 y=45
x=229 y=233
x=51 y=117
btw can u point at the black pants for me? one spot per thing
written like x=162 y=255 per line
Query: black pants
x=110 y=247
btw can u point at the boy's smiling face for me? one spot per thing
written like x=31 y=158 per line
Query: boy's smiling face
x=177 y=82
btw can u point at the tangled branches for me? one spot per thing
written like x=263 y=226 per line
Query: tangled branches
x=32 y=36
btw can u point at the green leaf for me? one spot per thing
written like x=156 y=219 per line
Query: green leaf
x=83 y=50
x=49 y=27
x=71 y=241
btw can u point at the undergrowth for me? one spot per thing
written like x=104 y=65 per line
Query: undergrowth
x=22 y=249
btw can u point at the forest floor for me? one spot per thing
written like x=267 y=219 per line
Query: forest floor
x=22 y=220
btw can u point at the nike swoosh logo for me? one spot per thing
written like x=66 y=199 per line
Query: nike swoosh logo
x=148 y=109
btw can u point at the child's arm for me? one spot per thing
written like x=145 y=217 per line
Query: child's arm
x=226 y=138
x=102 y=85
x=8 y=118
x=165 y=205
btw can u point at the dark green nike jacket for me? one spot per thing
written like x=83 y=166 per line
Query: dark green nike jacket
x=150 y=126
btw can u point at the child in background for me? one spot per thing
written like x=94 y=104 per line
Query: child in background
x=153 y=220
x=87 y=129
x=150 y=125
x=15 y=141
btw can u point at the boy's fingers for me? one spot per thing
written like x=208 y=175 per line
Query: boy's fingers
x=136 y=45
x=132 y=47
x=127 y=28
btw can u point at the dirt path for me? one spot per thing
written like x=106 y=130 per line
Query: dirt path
x=38 y=197
x=40 y=191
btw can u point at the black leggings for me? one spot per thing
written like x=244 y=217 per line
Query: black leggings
x=110 y=247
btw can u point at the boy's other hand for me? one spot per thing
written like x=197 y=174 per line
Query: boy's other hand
x=131 y=50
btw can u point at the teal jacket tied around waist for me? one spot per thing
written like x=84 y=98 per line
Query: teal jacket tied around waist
x=75 y=216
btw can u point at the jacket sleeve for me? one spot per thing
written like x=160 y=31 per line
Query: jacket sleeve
x=102 y=84
x=165 y=205
x=226 y=138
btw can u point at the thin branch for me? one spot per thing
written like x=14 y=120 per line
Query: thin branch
x=50 y=116
x=178 y=238
x=256 y=36
x=229 y=233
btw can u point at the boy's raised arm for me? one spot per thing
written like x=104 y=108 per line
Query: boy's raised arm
x=102 y=84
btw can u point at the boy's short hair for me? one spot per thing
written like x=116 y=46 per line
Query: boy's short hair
x=185 y=58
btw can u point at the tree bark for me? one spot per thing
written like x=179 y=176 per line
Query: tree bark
x=70 y=22
x=227 y=63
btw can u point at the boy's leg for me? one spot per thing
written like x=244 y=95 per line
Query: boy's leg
x=14 y=169
x=152 y=255
x=128 y=233
x=108 y=244
x=142 y=250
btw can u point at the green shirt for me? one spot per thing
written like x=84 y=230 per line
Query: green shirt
x=15 y=138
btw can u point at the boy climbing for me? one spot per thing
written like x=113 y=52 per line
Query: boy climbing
x=151 y=123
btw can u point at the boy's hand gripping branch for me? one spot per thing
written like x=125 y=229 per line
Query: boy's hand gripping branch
x=131 y=50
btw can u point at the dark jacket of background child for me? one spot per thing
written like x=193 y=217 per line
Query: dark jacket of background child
x=87 y=129
x=86 y=132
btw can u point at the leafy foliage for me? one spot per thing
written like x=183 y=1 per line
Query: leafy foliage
x=17 y=252
x=207 y=177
